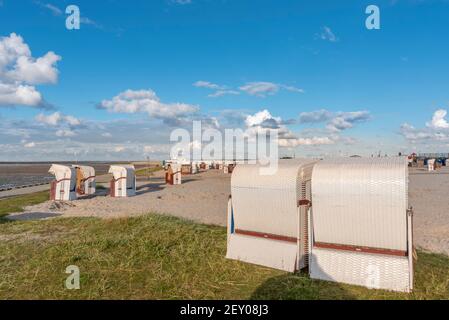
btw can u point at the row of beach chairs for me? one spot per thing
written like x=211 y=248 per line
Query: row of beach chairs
x=74 y=181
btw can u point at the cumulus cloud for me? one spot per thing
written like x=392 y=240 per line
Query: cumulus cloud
x=57 y=118
x=20 y=72
x=263 y=120
x=18 y=94
x=439 y=120
x=146 y=101
x=437 y=129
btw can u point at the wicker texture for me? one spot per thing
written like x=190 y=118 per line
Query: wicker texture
x=364 y=269
x=268 y=203
x=264 y=252
x=361 y=202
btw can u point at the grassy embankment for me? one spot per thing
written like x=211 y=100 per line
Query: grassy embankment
x=159 y=257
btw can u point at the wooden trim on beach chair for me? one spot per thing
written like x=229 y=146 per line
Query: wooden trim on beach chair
x=344 y=247
x=265 y=235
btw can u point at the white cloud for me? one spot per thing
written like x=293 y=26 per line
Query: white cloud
x=336 y=121
x=147 y=101
x=72 y=121
x=52 y=119
x=29 y=145
x=438 y=120
x=286 y=138
x=219 y=90
x=220 y=93
x=19 y=72
x=435 y=131
x=260 y=89
x=315 y=116
x=346 y=120
x=35 y=71
x=328 y=34
x=57 y=118
x=207 y=84
x=292 y=89
x=263 y=88
x=262 y=118
x=157 y=149
x=54 y=9
x=18 y=94
x=314 y=141
x=65 y=133
x=65 y=124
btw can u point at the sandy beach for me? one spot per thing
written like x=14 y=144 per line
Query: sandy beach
x=203 y=198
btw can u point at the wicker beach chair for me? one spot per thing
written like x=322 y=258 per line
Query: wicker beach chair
x=361 y=225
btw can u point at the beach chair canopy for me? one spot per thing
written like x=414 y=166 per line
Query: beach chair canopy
x=265 y=225
x=61 y=171
x=268 y=203
x=87 y=171
x=361 y=202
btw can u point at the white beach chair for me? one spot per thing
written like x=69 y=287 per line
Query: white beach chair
x=267 y=215
x=123 y=183
x=361 y=225
x=85 y=180
x=64 y=187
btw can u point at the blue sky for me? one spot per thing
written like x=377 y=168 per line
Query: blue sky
x=365 y=90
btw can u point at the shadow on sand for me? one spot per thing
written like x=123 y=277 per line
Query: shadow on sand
x=150 y=187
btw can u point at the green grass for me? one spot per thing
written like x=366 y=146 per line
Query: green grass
x=144 y=171
x=160 y=257
x=16 y=204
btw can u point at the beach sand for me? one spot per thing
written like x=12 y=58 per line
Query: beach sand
x=203 y=198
